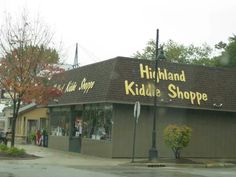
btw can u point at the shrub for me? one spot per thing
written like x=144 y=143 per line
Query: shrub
x=13 y=151
x=3 y=148
x=177 y=138
x=32 y=136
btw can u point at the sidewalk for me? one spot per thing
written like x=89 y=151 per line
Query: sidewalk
x=57 y=157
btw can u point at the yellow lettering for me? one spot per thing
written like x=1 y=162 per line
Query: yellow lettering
x=180 y=93
x=199 y=97
x=142 y=90
x=128 y=88
x=161 y=75
x=172 y=88
x=182 y=76
x=204 y=97
x=86 y=86
x=71 y=86
x=170 y=76
x=193 y=97
x=176 y=77
x=144 y=72
x=158 y=92
x=186 y=95
x=149 y=90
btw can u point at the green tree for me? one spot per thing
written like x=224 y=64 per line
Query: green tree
x=148 y=53
x=177 y=137
x=179 y=53
x=27 y=63
x=175 y=52
x=227 y=57
x=200 y=55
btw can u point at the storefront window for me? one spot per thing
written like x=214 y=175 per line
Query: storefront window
x=59 y=122
x=97 y=121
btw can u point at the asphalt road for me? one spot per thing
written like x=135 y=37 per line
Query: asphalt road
x=63 y=164
x=165 y=171
x=18 y=169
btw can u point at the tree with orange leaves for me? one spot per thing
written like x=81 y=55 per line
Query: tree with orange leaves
x=27 y=63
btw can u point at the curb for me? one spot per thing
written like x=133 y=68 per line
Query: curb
x=162 y=164
x=219 y=165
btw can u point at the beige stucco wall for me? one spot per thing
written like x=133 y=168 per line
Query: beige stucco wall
x=21 y=122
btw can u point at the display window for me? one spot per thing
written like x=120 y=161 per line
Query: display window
x=97 y=121
x=59 y=122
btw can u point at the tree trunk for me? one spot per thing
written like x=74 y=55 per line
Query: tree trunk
x=177 y=156
x=176 y=152
x=16 y=107
x=13 y=130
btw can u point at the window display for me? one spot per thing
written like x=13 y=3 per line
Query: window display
x=89 y=121
x=97 y=121
x=59 y=123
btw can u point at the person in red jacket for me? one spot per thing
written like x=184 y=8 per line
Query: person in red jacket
x=38 y=137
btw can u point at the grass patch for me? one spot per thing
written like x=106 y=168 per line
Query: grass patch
x=12 y=151
x=3 y=148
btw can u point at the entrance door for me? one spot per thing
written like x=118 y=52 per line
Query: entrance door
x=32 y=126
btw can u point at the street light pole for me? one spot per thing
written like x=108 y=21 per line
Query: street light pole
x=153 y=153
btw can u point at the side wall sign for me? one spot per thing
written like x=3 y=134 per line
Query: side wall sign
x=85 y=86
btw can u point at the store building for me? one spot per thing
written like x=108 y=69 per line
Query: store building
x=31 y=118
x=95 y=114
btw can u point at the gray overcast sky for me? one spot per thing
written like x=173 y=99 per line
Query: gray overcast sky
x=108 y=28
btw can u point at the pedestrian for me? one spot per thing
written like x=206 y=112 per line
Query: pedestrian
x=38 y=137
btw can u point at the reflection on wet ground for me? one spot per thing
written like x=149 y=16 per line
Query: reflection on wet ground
x=6 y=174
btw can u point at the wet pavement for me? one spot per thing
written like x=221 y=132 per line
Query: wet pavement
x=55 y=163
x=169 y=172
x=39 y=170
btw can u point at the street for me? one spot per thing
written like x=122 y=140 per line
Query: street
x=165 y=171
x=55 y=163
x=22 y=169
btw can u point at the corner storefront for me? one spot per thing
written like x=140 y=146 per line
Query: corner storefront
x=95 y=114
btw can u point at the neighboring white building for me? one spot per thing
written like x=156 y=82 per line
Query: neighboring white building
x=2 y=118
x=2 y=122
x=6 y=118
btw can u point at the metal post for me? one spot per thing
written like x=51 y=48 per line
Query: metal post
x=135 y=124
x=153 y=153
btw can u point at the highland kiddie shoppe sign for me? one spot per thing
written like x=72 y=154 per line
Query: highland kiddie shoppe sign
x=148 y=89
x=127 y=80
x=84 y=86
